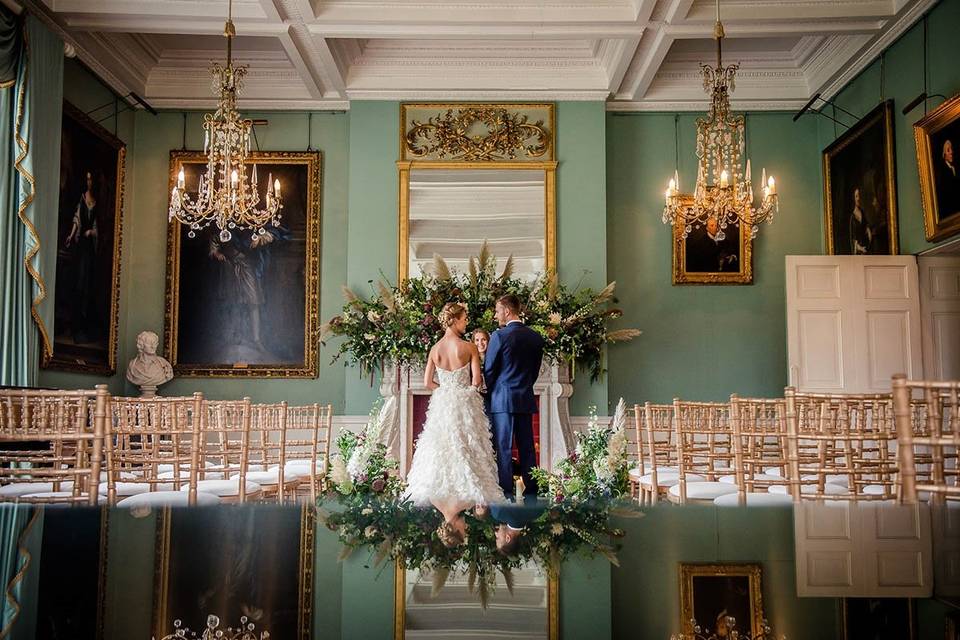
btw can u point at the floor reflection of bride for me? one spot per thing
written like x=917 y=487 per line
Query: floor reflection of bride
x=454 y=467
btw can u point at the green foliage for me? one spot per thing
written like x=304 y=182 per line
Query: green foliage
x=398 y=325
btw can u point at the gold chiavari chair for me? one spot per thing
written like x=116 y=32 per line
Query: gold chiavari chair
x=309 y=430
x=154 y=452
x=657 y=451
x=705 y=449
x=53 y=445
x=631 y=429
x=840 y=446
x=759 y=440
x=267 y=462
x=940 y=435
x=225 y=446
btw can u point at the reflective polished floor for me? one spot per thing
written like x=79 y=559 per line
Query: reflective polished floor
x=817 y=571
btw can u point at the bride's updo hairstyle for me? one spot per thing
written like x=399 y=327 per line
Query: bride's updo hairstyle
x=450 y=313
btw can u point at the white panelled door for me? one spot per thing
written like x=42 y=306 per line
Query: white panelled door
x=852 y=322
x=940 y=316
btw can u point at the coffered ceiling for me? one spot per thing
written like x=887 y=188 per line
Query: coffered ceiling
x=635 y=54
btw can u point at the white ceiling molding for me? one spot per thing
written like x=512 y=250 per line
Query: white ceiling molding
x=638 y=55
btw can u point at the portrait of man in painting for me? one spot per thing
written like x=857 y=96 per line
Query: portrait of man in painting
x=937 y=137
x=243 y=306
x=711 y=255
x=88 y=246
x=232 y=563
x=860 y=189
x=722 y=598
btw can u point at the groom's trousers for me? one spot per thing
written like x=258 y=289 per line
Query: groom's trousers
x=506 y=427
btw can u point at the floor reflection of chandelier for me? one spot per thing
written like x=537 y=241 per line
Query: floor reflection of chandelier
x=724 y=191
x=226 y=195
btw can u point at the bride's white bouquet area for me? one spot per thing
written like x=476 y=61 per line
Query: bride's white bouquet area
x=365 y=508
x=397 y=325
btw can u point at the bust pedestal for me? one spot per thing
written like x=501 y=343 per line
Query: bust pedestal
x=553 y=389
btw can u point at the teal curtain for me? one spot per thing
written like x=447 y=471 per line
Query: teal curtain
x=21 y=535
x=30 y=124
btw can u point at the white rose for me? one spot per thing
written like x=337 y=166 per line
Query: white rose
x=370 y=531
x=366 y=512
x=556 y=529
x=555 y=318
x=373 y=316
x=369 y=337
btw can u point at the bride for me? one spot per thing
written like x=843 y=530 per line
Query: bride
x=454 y=467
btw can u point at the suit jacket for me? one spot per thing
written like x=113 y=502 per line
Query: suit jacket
x=511 y=367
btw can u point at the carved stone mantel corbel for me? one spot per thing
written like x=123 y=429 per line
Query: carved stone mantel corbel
x=553 y=387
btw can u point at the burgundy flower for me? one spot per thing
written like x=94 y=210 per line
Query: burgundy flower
x=378 y=485
x=427 y=307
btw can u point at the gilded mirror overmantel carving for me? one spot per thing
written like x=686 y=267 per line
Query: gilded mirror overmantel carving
x=470 y=173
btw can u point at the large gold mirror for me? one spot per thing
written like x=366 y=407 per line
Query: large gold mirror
x=531 y=611
x=471 y=173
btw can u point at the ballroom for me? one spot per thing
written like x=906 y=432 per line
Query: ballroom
x=514 y=319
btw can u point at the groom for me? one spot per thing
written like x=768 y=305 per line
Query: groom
x=510 y=369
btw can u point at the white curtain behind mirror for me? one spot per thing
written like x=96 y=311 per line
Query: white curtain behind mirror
x=452 y=211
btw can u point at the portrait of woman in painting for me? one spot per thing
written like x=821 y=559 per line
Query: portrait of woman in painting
x=88 y=249
x=860 y=203
x=242 y=306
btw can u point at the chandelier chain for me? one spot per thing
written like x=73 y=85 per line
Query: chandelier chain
x=228 y=194
x=723 y=195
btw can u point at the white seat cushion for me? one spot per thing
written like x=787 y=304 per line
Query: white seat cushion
x=808 y=489
x=163 y=468
x=634 y=474
x=669 y=478
x=774 y=471
x=62 y=496
x=185 y=475
x=758 y=478
x=125 y=489
x=754 y=500
x=225 y=488
x=167 y=499
x=17 y=489
x=830 y=478
x=704 y=490
x=305 y=464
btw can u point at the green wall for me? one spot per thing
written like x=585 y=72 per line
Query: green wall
x=702 y=342
x=899 y=75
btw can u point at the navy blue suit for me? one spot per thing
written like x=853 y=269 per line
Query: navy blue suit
x=510 y=369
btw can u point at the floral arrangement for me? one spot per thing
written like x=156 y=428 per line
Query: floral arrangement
x=368 y=510
x=362 y=467
x=598 y=469
x=398 y=324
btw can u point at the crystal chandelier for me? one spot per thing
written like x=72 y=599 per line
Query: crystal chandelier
x=226 y=195
x=724 y=191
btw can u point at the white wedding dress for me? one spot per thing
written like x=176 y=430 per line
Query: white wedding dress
x=454 y=459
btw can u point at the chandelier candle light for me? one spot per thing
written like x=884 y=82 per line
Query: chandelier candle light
x=226 y=195
x=721 y=137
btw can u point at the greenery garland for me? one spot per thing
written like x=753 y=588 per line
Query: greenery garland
x=398 y=325
x=367 y=510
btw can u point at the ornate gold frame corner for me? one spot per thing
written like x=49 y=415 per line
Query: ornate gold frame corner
x=314 y=162
x=749 y=570
x=682 y=276
x=399 y=602
x=50 y=360
x=947 y=113
x=885 y=111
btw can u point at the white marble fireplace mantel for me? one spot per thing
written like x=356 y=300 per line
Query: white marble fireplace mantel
x=553 y=387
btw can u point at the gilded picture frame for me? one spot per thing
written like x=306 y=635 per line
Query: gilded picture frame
x=700 y=259
x=939 y=183
x=400 y=593
x=469 y=137
x=168 y=591
x=709 y=592
x=281 y=288
x=89 y=242
x=860 y=194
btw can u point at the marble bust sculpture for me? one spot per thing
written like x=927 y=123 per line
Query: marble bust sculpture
x=148 y=370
